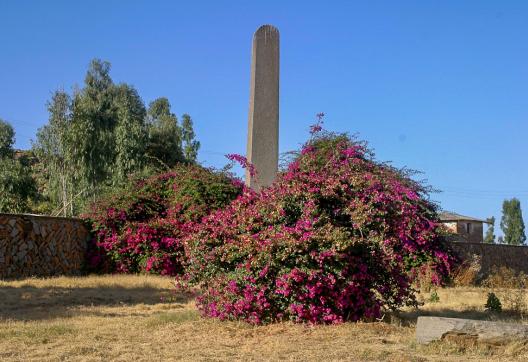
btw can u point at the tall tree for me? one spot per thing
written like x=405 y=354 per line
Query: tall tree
x=165 y=135
x=102 y=133
x=191 y=146
x=130 y=132
x=17 y=186
x=512 y=223
x=93 y=122
x=7 y=139
x=54 y=148
x=490 y=233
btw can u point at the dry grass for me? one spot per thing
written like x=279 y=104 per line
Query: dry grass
x=101 y=318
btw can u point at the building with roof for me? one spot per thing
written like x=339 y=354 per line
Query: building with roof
x=464 y=228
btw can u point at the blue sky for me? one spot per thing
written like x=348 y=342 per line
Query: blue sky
x=437 y=86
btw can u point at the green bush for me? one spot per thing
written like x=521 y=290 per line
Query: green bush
x=493 y=304
x=17 y=186
x=140 y=228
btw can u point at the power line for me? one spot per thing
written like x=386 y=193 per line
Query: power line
x=467 y=190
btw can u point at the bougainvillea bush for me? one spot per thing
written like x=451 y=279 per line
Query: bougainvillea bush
x=338 y=237
x=141 y=228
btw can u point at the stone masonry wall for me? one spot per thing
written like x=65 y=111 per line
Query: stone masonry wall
x=32 y=245
x=514 y=257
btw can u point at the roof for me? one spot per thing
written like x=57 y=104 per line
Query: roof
x=451 y=216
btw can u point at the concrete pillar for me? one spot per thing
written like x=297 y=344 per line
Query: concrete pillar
x=263 y=120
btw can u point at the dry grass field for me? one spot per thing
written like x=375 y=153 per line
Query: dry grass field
x=136 y=318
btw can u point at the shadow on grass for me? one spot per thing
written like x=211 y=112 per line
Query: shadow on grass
x=33 y=303
x=409 y=318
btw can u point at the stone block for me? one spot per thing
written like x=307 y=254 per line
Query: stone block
x=430 y=329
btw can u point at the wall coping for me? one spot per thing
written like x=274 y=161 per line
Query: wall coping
x=501 y=245
x=39 y=216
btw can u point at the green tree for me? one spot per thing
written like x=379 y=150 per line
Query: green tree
x=130 y=132
x=490 y=233
x=100 y=135
x=54 y=148
x=7 y=139
x=165 y=135
x=512 y=223
x=17 y=186
x=93 y=122
x=191 y=146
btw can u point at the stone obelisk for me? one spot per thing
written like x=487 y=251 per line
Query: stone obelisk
x=263 y=120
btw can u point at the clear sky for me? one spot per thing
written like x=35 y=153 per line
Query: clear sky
x=437 y=86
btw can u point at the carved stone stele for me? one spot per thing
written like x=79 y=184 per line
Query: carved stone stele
x=263 y=120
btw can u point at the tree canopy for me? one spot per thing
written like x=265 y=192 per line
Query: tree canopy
x=101 y=134
x=7 y=139
x=512 y=223
x=17 y=186
x=490 y=233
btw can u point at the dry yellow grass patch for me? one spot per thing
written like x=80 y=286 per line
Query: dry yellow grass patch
x=124 y=318
x=468 y=302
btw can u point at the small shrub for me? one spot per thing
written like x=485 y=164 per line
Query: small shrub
x=434 y=297
x=493 y=304
x=511 y=287
x=141 y=228
x=337 y=237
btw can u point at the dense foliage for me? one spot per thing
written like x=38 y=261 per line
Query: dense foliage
x=337 y=237
x=7 y=139
x=512 y=223
x=141 y=228
x=101 y=134
x=489 y=237
x=18 y=189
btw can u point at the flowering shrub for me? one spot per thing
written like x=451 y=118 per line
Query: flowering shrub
x=337 y=237
x=141 y=228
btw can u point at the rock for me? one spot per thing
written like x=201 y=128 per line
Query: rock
x=21 y=255
x=4 y=232
x=430 y=329
x=36 y=228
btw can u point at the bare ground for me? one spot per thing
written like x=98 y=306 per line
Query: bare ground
x=137 y=318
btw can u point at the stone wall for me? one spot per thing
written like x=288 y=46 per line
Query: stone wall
x=515 y=257
x=33 y=245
